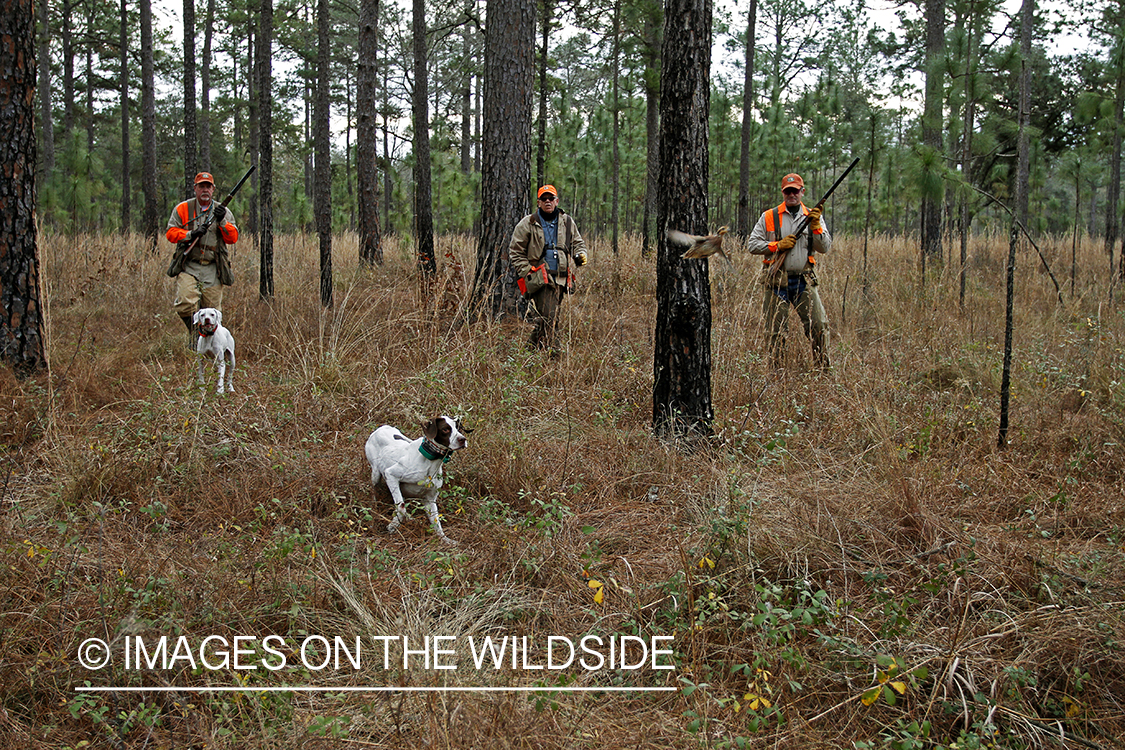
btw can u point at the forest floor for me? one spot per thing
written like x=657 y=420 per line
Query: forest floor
x=851 y=561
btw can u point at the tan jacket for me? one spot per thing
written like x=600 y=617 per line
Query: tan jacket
x=762 y=241
x=527 y=247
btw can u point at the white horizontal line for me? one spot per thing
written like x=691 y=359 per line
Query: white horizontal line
x=380 y=689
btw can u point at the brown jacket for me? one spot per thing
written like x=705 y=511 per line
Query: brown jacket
x=527 y=247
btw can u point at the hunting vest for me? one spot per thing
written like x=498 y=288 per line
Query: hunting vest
x=211 y=243
x=773 y=230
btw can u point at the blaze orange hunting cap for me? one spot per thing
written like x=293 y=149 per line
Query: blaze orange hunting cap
x=547 y=189
x=792 y=180
x=204 y=177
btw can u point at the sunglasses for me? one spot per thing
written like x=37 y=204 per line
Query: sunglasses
x=547 y=198
x=791 y=191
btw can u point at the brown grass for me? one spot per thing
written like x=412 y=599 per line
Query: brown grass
x=834 y=521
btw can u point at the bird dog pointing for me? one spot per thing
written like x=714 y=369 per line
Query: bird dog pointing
x=413 y=468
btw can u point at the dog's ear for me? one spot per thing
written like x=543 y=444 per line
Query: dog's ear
x=218 y=317
x=195 y=317
x=429 y=429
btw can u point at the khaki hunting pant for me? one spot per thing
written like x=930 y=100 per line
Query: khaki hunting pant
x=811 y=312
x=544 y=313
x=192 y=295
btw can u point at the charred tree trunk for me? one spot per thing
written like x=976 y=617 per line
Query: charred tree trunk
x=509 y=68
x=21 y=319
x=681 y=397
x=423 y=192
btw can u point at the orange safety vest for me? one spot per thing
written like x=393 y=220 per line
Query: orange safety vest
x=773 y=227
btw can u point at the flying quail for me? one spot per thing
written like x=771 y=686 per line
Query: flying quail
x=699 y=247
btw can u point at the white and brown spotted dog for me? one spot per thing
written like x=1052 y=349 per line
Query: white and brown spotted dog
x=212 y=338
x=413 y=468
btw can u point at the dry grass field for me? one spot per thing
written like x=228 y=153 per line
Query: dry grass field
x=850 y=562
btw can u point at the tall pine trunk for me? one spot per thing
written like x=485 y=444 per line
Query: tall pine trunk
x=615 y=180
x=681 y=395
x=509 y=68
x=148 y=127
x=654 y=37
x=423 y=194
x=546 y=7
x=46 y=118
x=191 y=136
x=744 y=216
x=126 y=190
x=21 y=317
x=323 y=147
x=367 y=135
x=205 y=88
x=931 y=181
x=265 y=149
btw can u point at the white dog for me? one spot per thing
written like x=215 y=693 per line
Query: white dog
x=217 y=341
x=413 y=468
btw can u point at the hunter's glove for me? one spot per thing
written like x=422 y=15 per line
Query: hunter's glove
x=787 y=243
x=220 y=214
x=814 y=218
x=580 y=258
x=196 y=234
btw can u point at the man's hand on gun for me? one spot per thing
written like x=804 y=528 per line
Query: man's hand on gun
x=814 y=218
x=220 y=213
x=786 y=243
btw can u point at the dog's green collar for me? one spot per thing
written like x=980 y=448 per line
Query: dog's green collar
x=432 y=451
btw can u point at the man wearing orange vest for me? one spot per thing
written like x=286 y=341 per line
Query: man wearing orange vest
x=794 y=284
x=205 y=269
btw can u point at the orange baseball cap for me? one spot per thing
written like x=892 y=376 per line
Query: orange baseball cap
x=547 y=189
x=792 y=180
x=204 y=177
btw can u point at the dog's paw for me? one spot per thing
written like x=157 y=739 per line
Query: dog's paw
x=447 y=540
x=392 y=527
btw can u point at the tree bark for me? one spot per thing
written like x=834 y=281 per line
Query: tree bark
x=21 y=319
x=265 y=148
x=509 y=67
x=681 y=398
x=423 y=193
x=367 y=135
x=323 y=147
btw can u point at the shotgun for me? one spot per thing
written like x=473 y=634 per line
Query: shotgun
x=803 y=224
x=224 y=203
